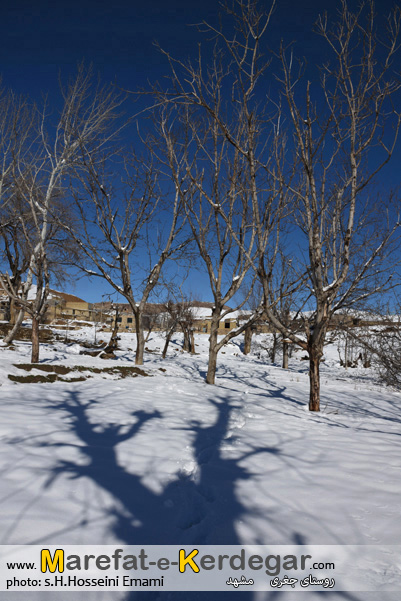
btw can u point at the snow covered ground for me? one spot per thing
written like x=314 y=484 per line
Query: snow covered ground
x=167 y=459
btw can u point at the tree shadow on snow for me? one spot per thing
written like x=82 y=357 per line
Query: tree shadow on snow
x=200 y=507
x=344 y=402
x=193 y=509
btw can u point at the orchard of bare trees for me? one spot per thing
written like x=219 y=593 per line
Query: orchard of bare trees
x=262 y=170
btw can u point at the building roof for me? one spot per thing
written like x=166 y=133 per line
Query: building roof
x=65 y=296
x=200 y=309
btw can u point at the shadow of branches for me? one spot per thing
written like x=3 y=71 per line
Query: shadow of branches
x=196 y=508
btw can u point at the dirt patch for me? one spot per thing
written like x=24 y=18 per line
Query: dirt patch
x=37 y=379
x=89 y=345
x=33 y=379
x=55 y=371
x=107 y=356
x=45 y=335
x=125 y=371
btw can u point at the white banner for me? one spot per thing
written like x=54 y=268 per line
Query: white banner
x=203 y=568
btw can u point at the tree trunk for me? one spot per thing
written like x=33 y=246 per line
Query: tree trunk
x=168 y=338
x=66 y=330
x=14 y=313
x=192 y=342
x=12 y=305
x=35 y=340
x=187 y=343
x=274 y=348
x=113 y=343
x=212 y=364
x=8 y=313
x=314 y=379
x=14 y=331
x=140 y=341
x=247 y=340
x=285 y=355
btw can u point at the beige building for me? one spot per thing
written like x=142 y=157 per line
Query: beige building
x=155 y=317
x=202 y=312
x=68 y=306
x=61 y=305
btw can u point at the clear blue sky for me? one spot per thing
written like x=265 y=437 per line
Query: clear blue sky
x=40 y=40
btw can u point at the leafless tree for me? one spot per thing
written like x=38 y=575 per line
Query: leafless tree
x=113 y=342
x=251 y=306
x=33 y=238
x=15 y=252
x=228 y=144
x=327 y=143
x=17 y=134
x=214 y=185
x=40 y=179
x=132 y=223
x=16 y=128
x=150 y=319
x=373 y=339
x=179 y=315
x=344 y=133
x=19 y=231
x=286 y=300
x=186 y=320
x=170 y=324
x=383 y=348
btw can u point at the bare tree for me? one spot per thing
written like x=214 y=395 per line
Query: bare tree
x=180 y=315
x=373 y=339
x=339 y=136
x=186 y=320
x=15 y=252
x=251 y=306
x=344 y=133
x=227 y=143
x=170 y=324
x=214 y=186
x=113 y=342
x=150 y=319
x=19 y=230
x=40 y=179
x=16 y=128
x=33 y=239
x=17 y=134
x=382 y=348
x=285 y=300
x=132 y=223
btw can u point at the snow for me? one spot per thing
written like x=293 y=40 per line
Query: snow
x=32 y=293
x=167 y=459
x=206 y=312
x=330 y=286
x=201 y=312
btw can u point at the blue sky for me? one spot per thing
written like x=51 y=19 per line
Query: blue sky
x=41 y=40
